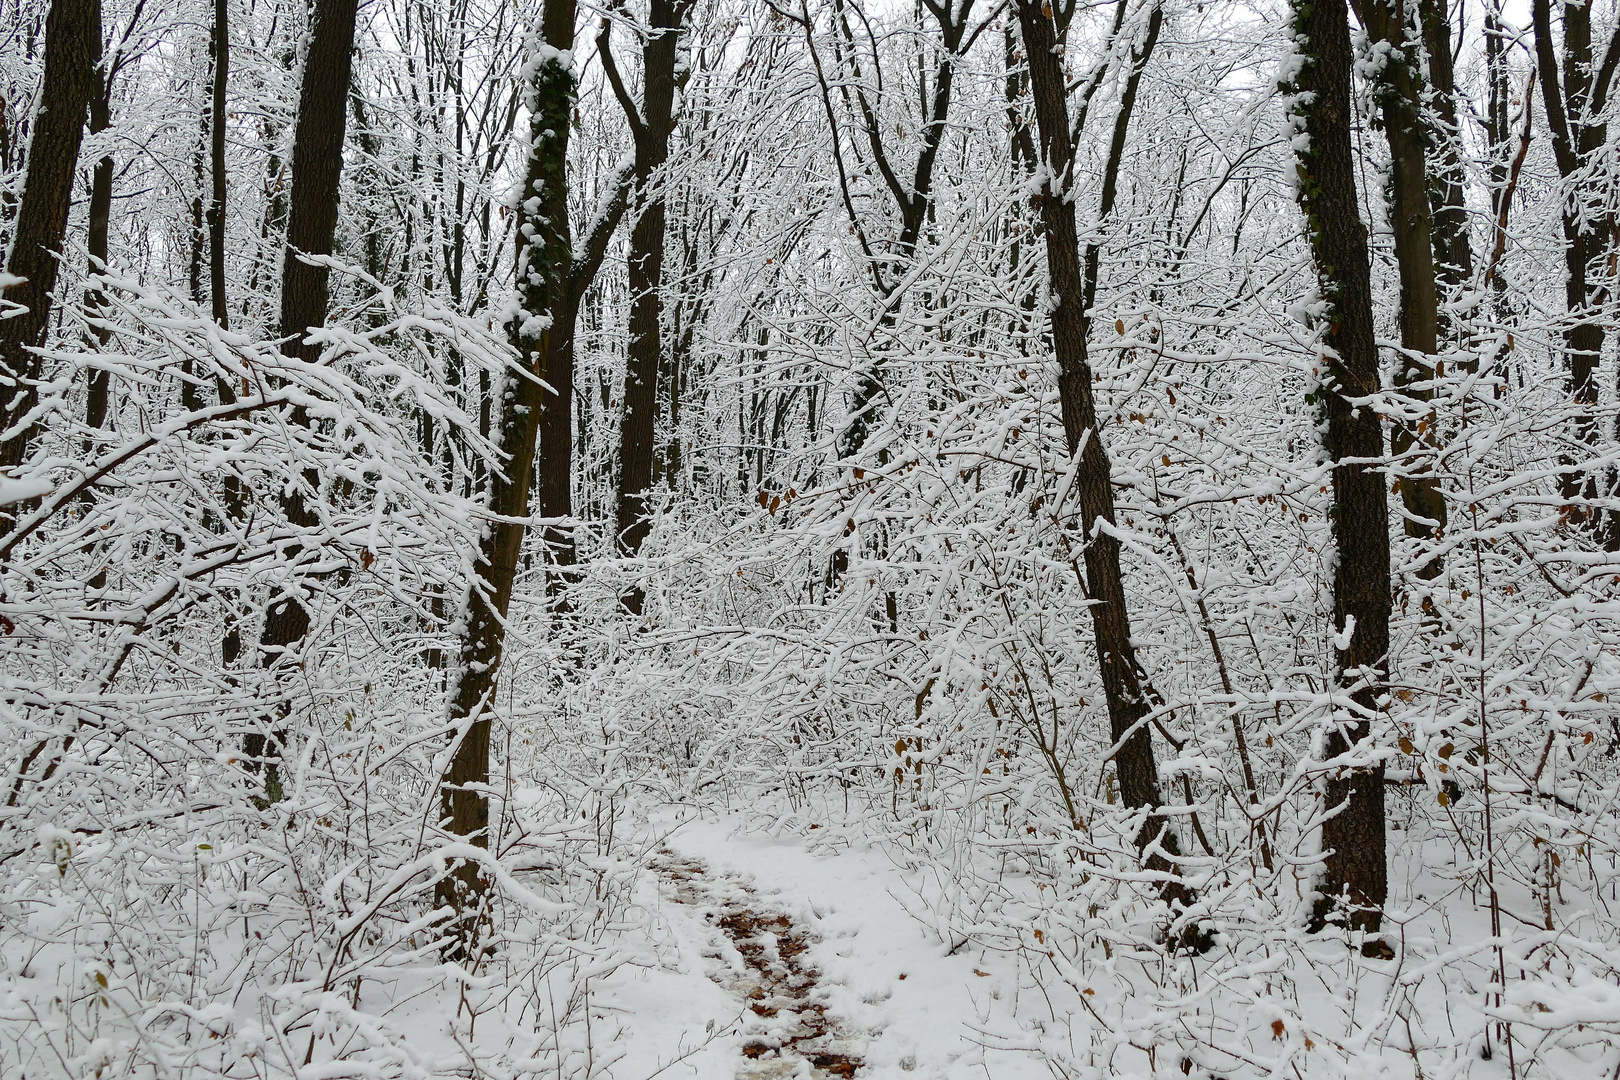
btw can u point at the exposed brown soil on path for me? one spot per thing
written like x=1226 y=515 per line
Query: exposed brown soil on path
x=777 y=982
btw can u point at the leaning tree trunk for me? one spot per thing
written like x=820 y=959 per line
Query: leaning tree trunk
x=1122 y=677
x=544 y=258
x=317 y=169
x=72 y=53
x=651 y=126
x=1356 y=871
x=1399 y=92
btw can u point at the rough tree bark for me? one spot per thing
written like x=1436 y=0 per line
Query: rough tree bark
x=1122 y=677
x=72 y=54
x=317 y=169
x=1399 y=93
x=544 y=263
x=1356 y=871
x=650 y=126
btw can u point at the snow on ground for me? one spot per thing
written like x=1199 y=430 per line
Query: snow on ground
x=914 y=1011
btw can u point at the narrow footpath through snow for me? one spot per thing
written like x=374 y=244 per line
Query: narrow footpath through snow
x=780 y=961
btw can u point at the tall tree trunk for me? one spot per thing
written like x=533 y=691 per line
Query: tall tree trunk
x=554 y=470
x=1399 y=92
x=220 y=47
x=99 y=391
x=72 y=53
x=1573 y=112
x=1453 y=254
x=1497 y=125
x=1122 y=677
x=1356 y=871
x=317 y=169
x=544 y=258
x=651 y=126
x=1116 y=150
x=190 y=397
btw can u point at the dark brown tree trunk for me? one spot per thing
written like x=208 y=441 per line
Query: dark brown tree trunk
x=1575 y=138
x=554 y=488
x=190 y=398
x=1497 y=124
x=1356 y=870
x=1399 y=92
x=98 y=393
x=1023 y=163
x=72 y=53
x=317 y=169
x=651 y=126
x=544 y=263
x=1122 y=677
x=1017 y=80
x=1116 y=149
x=1453 y=254
x=220 y=47
x=554 y=468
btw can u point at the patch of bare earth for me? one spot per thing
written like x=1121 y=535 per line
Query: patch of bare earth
x=777 y=981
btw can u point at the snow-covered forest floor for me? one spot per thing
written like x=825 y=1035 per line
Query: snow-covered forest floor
x=630 y=539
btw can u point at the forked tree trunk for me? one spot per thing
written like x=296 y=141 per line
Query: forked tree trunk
x=317 y=169
x=1122 y=677
x=72 y=53
x=544 y=262
x=555 y=448
x=1399 y=93
x=1356 y=871
x=651 y=126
